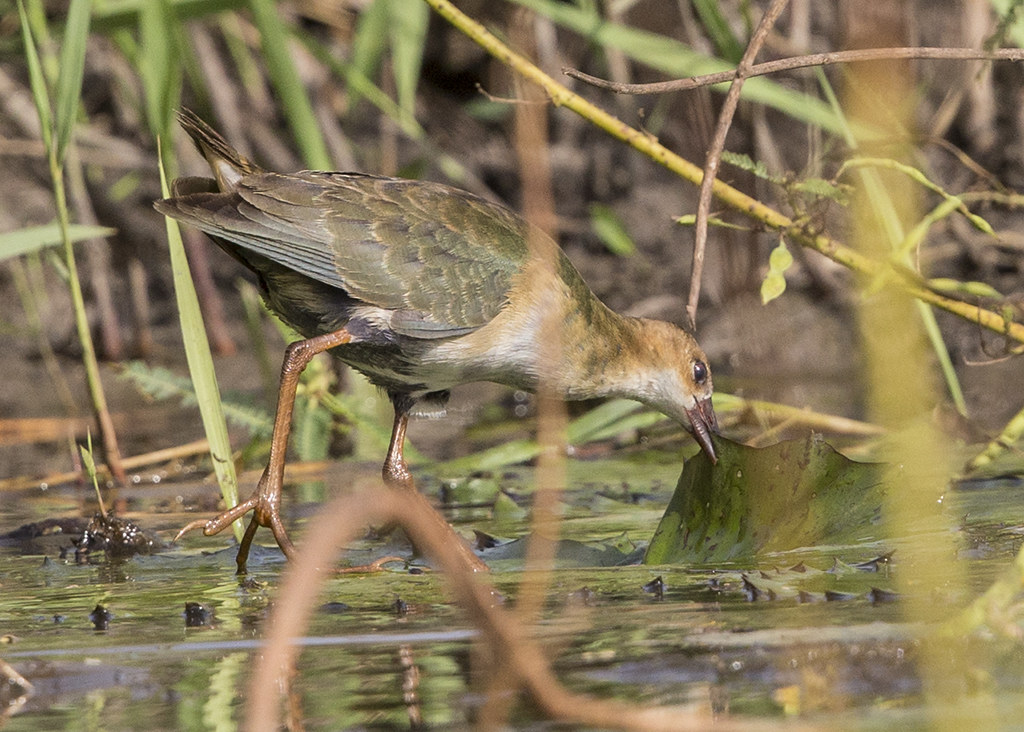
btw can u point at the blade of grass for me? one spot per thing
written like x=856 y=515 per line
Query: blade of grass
x=285 y=77
x=72 y=69
x=717 y=28
x=41 y=98
x=408 y=27
x=36 y=78
x=200 y=364
x=159 y=66
x=34 y=238
x=368 y=45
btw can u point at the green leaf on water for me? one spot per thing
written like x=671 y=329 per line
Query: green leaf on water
x=798 y=493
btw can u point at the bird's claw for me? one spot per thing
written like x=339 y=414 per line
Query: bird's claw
x=265 y=512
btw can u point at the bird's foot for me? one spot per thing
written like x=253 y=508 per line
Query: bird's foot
x=265 y=505
x=377 y=565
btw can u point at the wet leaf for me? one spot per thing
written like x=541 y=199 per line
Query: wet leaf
x=505 y=509
x=798 y=493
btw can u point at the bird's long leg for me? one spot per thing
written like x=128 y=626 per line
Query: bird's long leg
x=265 y=502
x=396 y=471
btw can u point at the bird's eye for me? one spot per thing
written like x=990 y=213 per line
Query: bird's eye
x=700 y=372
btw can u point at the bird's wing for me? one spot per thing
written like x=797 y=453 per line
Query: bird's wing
x=440 y=259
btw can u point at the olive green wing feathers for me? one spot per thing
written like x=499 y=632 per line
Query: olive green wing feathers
x=440 y=259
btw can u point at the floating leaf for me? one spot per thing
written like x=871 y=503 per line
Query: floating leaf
x=798 y=493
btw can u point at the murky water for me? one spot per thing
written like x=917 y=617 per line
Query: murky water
x=768 y=648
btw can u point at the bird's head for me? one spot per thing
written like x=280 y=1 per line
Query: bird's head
x=677 y=381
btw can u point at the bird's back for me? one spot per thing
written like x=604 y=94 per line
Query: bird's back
x=438 y=262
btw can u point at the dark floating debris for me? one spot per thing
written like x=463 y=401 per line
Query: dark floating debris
x=485 y=540
x=656 y=587
x=101 y=618
x=873 y=565
x=877 y=595
x=198 y=615
x=49 y=536
x=833 y=596
x=117 y=538
x=755 y=593
x=584 y=596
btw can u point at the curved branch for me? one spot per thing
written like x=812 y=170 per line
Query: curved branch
x=800 y=62
x=751 y=207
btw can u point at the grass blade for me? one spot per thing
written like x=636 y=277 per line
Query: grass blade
x=368 y=44
x=72 y=68
x=36 y=79
x=409 y=19
x=34 y=238
x=288 y=85
x=159 y=66
x=200 y=364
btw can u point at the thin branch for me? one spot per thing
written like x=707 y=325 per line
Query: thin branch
x=714 y=157
x=507 y=636
x=767 y=216
x=800 y=62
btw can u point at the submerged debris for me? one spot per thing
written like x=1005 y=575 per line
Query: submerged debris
x=198 y=615
x=656 y=587
x=101 y=618
x=117 y=538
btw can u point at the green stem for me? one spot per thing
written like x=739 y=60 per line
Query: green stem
x=92 y=369
x=751 y=207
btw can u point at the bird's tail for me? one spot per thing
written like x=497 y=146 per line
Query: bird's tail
x=228 y=165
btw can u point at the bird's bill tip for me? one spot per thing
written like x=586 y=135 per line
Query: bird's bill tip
x=704 y=423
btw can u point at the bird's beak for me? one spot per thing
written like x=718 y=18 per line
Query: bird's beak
x=703 y=421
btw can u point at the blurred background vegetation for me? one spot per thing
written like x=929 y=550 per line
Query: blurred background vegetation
x=389 y=87
x=846 y=190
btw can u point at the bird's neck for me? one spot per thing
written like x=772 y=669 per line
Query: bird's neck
x=606 y=363
x=597 y=352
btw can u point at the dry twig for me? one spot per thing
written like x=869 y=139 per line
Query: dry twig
x=503 y=631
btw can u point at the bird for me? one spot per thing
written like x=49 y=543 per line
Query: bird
x=421 y=287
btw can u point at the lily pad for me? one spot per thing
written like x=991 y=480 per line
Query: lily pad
x=798 y=493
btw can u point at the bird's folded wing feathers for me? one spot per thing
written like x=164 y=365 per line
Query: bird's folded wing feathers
x=443 y=261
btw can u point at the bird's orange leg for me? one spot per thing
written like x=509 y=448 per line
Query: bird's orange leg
x=265 y=503
x=396 y=473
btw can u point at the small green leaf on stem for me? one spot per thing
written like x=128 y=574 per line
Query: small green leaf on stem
x=774 y=283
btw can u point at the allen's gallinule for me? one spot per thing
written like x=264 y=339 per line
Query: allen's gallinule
x=421 y=287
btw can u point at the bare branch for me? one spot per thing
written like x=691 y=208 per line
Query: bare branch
x=714 y=157
x=800 y=62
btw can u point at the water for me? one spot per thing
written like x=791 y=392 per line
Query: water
x=703 y=643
